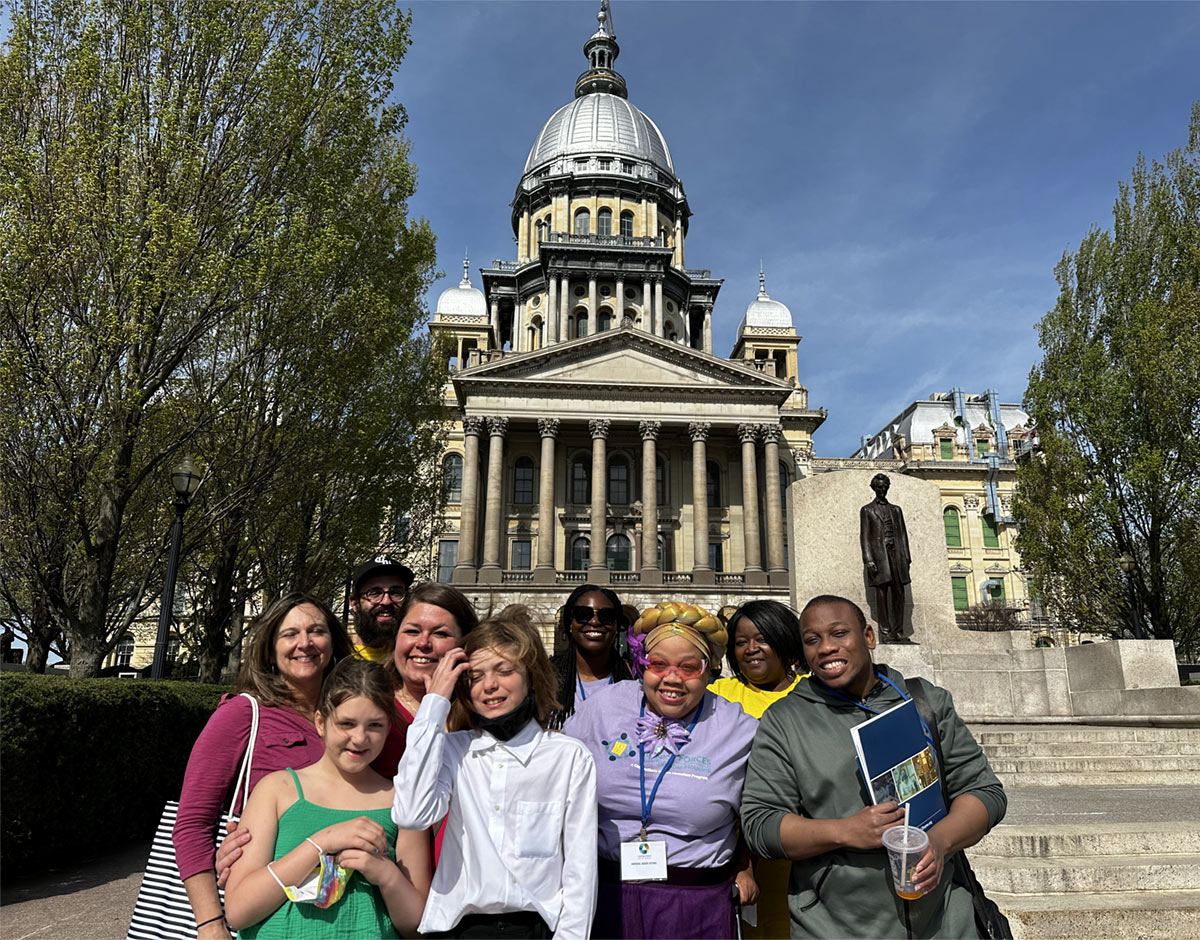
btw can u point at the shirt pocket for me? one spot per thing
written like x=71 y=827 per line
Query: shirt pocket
x=538 y=828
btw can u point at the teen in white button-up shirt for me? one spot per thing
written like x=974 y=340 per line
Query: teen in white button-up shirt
x=521 y=832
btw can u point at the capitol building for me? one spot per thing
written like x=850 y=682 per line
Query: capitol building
x=597 y=436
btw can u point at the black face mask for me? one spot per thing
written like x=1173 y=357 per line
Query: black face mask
x=505 y=726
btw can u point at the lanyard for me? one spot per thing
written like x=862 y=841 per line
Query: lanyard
x=583 y=694
x=874 y=711
x=646 y=804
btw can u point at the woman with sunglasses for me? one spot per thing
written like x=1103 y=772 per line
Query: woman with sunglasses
x=670 y=762
x=589 y=621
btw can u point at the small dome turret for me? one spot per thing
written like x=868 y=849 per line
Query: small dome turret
x=462 y=300
x=765 y=313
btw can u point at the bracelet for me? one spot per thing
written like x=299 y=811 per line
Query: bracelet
x=210 y=921
x=320 y=851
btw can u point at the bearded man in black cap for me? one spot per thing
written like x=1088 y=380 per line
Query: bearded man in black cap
x=379 y=589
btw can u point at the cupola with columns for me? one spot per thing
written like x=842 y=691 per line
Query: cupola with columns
x=767 y=336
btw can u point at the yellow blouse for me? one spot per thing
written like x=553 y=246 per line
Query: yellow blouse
x=754 y=701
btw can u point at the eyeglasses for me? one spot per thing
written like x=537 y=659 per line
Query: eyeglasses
x=690 y=669
x=397 y=591
x=581 y=613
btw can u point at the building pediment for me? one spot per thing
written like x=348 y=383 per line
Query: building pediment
x=613 y=371
x=621 y=357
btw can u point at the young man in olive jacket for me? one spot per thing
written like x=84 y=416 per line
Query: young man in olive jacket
x=804 y=798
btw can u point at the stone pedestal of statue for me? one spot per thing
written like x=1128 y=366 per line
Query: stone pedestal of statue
x=827 y=558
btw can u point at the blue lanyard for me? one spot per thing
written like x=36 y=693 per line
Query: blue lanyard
x=646 y=804
x=874 y=711
x=583 y=694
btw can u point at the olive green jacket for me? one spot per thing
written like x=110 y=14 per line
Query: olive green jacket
x=804 y=762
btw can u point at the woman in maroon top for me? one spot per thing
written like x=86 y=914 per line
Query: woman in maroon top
x=292 y=648
x=434 y=619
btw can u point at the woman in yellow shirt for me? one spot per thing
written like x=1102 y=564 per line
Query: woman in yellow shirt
x=764 y=654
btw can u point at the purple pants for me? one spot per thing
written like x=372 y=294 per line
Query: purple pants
x=659 y=911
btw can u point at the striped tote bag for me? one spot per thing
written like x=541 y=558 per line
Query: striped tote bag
x=162 y=911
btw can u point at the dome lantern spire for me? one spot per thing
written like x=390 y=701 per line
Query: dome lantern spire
x=602 y=51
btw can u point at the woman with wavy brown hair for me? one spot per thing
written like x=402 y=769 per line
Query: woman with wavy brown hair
x=293 y=646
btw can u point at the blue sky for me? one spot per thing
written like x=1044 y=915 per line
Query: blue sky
x=908 y=173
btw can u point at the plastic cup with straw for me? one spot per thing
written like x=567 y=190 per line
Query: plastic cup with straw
x=901 y=841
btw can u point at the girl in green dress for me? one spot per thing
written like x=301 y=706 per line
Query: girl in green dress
x=334 y=813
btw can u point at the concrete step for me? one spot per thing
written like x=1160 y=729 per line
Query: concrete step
x=1094 y=749
x=1133 y=838
x=1083 y=765
x=1163 y=915
x=1099 y=778
x=1069 y=733
x=1089 y=874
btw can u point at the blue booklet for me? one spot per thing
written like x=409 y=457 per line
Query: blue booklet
x=897 y=763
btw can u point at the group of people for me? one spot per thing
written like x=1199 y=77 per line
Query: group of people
x=433 y=774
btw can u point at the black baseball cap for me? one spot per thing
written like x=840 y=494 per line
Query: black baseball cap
x=382 y=564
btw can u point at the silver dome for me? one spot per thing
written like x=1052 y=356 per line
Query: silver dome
x=600 y=123
x=765 y=313
x=462 y=300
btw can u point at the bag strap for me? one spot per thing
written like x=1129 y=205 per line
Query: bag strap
x=243 y=778
x=921 y=699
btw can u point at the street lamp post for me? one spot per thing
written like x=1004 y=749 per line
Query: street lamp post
x=184 y=480
x=1128 y=564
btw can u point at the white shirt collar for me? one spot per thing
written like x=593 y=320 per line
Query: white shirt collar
x=521 y=745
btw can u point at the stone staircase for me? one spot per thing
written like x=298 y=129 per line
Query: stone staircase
x=1092 y=755
x=1102 y=837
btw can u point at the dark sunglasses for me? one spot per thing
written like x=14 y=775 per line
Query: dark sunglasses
x=605 y=616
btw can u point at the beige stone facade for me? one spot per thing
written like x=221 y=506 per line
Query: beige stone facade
x=595 y=435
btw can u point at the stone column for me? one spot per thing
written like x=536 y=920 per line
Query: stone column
x=702 y=572
x=598 y=567
x=754 y=570
x=493 y=514
x=651 y=572
x=708 y=330
x=648 y=306
x=545 y=573
x=495 y=318
x=464 y=569
x=620 y=299
x=659 y=310
x=564 y=303
x=594 y=304
x=551 y=316
x=776 y=569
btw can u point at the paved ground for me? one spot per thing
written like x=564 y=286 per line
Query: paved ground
x=93 y=901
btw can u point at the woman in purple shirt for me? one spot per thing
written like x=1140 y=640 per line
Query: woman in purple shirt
x=670 y=762
x=292 y=648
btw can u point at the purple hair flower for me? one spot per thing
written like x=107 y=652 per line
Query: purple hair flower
x=662 y=733
x=637 y=652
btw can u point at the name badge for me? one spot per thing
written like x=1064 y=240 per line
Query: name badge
x=643 y=861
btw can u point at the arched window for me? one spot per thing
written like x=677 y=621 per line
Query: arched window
x=583 y=222
x=991 y=535
x=581 y=324
x=618 y=482
x=712 y=480
x=950 y=523
x=581 y=553
x=523 y=481
x=783 y=477
x=604 y=222
x=581 y=480
x=604 y=321
x=125 y=651
x=536 y=334
x=617 y=555
x=627 y=224
x=660 y=479
x=539 y=232
x=452 y=477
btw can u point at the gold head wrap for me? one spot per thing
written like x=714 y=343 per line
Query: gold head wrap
x=677 y=618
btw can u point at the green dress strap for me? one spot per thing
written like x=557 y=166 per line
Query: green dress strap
x=296 y=780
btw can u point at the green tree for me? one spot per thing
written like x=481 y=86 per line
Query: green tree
x=203 y=222
x=1116 y=403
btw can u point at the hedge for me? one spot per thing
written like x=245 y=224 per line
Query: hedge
x=89 y=763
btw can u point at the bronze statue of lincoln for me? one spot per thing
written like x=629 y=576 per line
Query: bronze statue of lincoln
x=886 y=557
